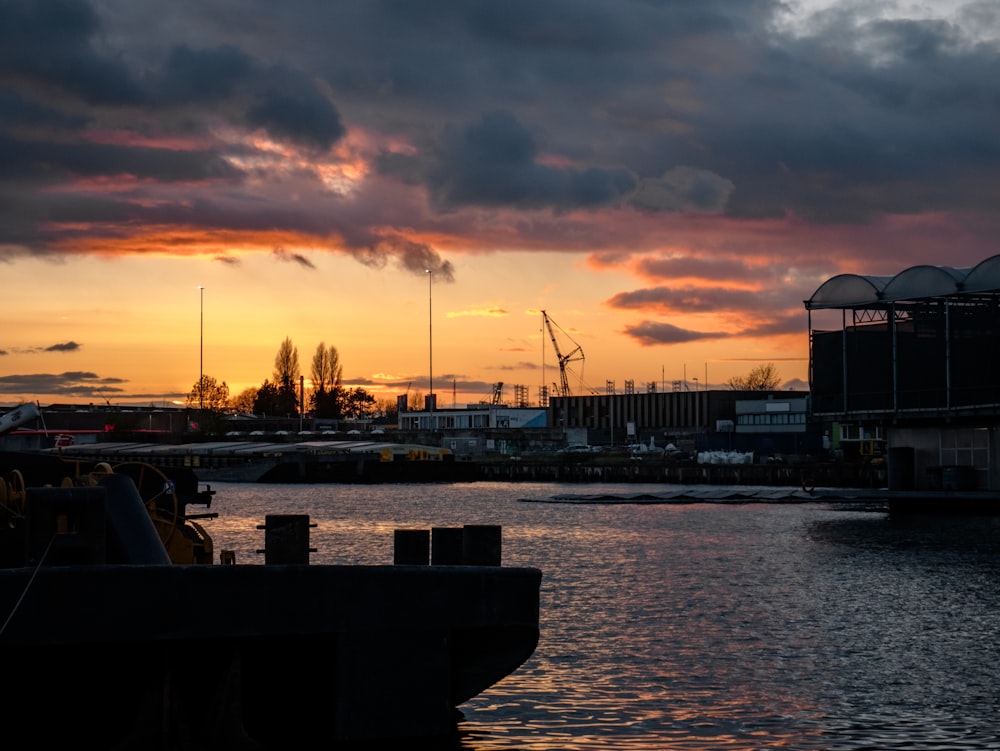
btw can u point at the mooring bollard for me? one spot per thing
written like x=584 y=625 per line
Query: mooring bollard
x=446 y=546
x=286 y=538
x=411 y=546
x=481 y=544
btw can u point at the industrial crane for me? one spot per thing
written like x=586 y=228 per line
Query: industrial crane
x=576 y=354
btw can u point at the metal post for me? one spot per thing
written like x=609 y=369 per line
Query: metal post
x=895 y=360
x=947 y=357
x=430 y=338
x=843 y=354
x=201 y=351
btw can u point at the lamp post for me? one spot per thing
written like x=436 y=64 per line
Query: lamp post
x=697 y=422
x=430 y=339
x=201 y=349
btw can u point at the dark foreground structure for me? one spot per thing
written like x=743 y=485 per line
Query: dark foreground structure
x=109 y=641
x=910 y=362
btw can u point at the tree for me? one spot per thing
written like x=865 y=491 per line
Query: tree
x=387 y=410
x=243 y=401
x=357 y=404
x=327 y=372
x=327 y=403
x=266 y=401
x=760 y=378
x=286 y=378
x=415 y=402
x=211 y=394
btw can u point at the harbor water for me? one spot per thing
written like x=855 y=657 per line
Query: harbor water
x=734 y=626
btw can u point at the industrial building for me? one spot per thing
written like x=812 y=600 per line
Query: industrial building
x=907 y=365
x=765 y=423
x=710 y=419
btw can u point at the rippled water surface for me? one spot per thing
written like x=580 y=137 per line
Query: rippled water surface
x=701 y=626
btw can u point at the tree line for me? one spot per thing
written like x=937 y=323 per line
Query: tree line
x=283 y=393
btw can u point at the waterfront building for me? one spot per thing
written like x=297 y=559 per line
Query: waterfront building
x=909 y=362
x=481 y=429
x=764 y=422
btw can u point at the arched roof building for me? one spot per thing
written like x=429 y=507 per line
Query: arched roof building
x=919 y=349
x=922 y=282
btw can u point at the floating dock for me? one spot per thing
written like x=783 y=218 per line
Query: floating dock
x=878 y=499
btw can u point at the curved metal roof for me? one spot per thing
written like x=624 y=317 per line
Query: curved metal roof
x=985 y=275
x=914 y=283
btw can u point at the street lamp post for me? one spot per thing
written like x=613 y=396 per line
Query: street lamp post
x=430 y=338
x=201 y=350
x=697 y=421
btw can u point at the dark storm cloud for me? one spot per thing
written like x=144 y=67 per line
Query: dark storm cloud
x=494 y=162
x=649 y=333
x=30 y=159
x=50 y=43
x=54 y=53
x=78 y=384
x=306 y=117
x=691 y=266
x=789 y=323
x=691 y=299
x=283 y=255
x=15 y=108
x=843 y=123
x=208 y=75
x=417 y=258
x=69 y=346
x=559 y=106
x=63 y=347
x=859 y=119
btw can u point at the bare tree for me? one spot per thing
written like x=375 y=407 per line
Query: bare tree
x=286 y=377
x=209 y=393
x=327 y=371
x=760 y=378
x=286 y=365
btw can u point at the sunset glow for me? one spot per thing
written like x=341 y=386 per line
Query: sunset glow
x=669 y=185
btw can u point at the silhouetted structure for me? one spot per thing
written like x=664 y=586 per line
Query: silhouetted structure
x=912 y=358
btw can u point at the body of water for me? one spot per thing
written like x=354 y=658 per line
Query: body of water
x=701 y=626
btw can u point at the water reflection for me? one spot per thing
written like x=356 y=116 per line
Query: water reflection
x=705 y=626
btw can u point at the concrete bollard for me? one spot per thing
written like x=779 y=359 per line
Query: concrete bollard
x=481 y=544
x=411 y=547
x=446 y=546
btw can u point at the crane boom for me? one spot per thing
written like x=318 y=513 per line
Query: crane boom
x=575 y=354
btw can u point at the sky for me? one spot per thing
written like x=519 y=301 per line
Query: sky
x=185 y=185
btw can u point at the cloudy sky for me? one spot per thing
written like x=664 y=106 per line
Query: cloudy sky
x=670 y=180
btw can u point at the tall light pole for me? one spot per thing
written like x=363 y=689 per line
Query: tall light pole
x=430 y=338
x=201 y=349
